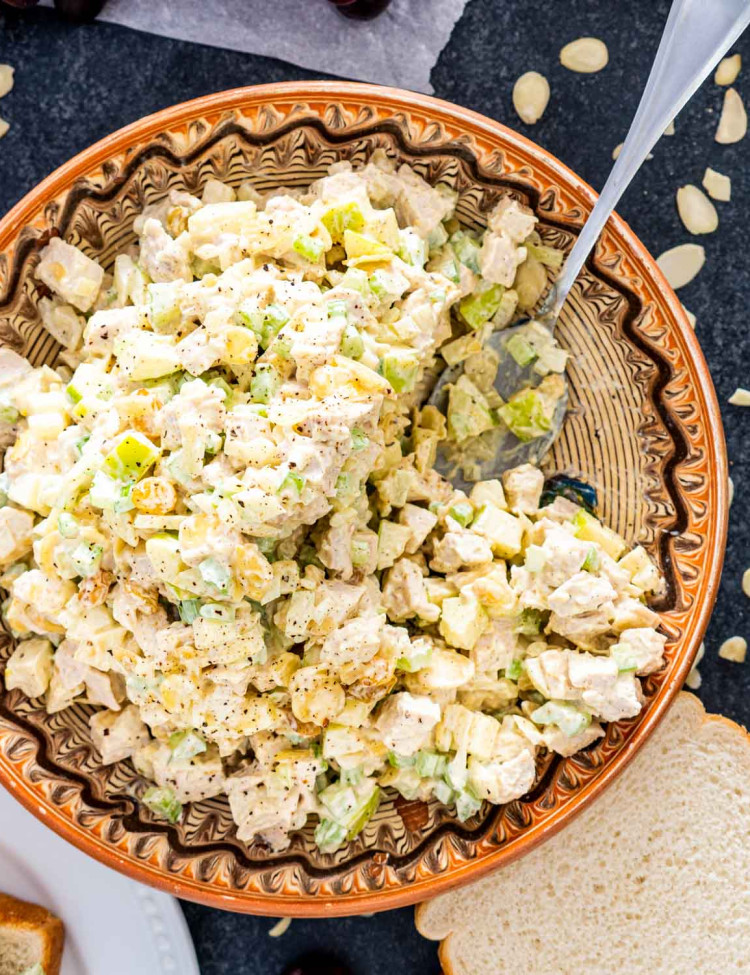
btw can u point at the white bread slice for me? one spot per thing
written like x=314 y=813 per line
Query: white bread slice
x=28 y=934
x=652 y=879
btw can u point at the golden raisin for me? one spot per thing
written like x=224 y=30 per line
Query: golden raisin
x=93 y=591
x=147 y=600
x=154 y=496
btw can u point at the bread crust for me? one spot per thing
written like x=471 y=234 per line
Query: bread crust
x=23 y=916
x=698 y=717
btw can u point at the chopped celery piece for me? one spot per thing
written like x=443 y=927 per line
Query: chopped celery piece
x=264 y=383
x=592 y=561
x=267 y=546
x=443 y=792
x=164 y=306
x=467 y=805
x=415 y=660
x=131 y=457
x=525 y=415
x=401 y=761
x=521 y=350
x=110 y=495
x=401 y=368
x=625 y=657
x=355 y=279
x=351 y=805
x=215 y=574
x=568 y=718
x=468 y=411
x=551 y=257
x=431 y=764
x=275 y=317
x=281 y=346
x=217 y=611
x=352 y=776
x=8 y=413
x=360 y=440
x=479 y=307
x=189 y=610
x=329 y=835
x=466 y=250
x=513 y=670
x=163 y=803
x=343 y=217
x=338 y=309
x=460 y=349
x=308 y=247
x=530 y=622
x=360 y=245
x=536 y=558
x=412 y=249
x=462 y=512
x=86 y=559
x=67 y=525
x=292 y=482
x=185 y=745
x=352 y=343
x=81 y=443
x=361 y=552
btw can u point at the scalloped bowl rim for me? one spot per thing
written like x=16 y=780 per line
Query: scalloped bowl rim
x=323 y=906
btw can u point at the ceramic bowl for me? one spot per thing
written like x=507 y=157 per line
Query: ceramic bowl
x=643 y=427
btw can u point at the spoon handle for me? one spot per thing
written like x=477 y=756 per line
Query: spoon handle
x=696 y=35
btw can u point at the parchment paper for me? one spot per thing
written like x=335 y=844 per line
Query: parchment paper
x=399 y=47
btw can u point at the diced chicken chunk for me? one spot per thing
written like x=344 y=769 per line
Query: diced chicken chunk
x=420 y=205
x=15 y=534
x=458 y=549
x=582 y=593
x=420 y=521
x=523 y=488
x=644 y=646
x=499 y=258
x=30 y=667
x=164 y=258
x=404 y=594
x=500 y=782
x=116 y=735
x=69 y=273
x=512 y=219
x=406 y=722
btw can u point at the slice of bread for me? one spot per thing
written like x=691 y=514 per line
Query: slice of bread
x=29 y=934
x=652 y=879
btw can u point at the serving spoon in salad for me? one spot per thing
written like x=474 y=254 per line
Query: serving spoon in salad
x=697 y=34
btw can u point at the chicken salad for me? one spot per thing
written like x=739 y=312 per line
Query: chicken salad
x=221 y=523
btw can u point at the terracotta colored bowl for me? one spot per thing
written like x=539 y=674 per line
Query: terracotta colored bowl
x=644 y=427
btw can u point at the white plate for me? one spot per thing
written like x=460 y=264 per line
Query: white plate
x=112 y=924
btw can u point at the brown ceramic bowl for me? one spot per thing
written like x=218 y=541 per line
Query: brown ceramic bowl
x=644 y=427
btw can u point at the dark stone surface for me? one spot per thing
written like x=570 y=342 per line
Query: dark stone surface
x=76 y=84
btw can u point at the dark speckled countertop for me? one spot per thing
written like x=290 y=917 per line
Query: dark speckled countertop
x=76 y=84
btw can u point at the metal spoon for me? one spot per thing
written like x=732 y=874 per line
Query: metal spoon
x=696 y=35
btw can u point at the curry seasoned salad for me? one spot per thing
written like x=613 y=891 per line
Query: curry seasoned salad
x=221 y=523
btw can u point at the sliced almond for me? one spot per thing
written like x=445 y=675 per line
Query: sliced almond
x=281 y=927
x=728 y=69
x=740 y=397
x=617 y=150
x=4 y=126
x=690 y=316
x=717 y=186
x=530 y=96
x=670 y=128
x=733 y=121
x=680 y=264
x=6 y=79
x=746 y=582
x=734 y=649
x=586 y=55
x=696 y=211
